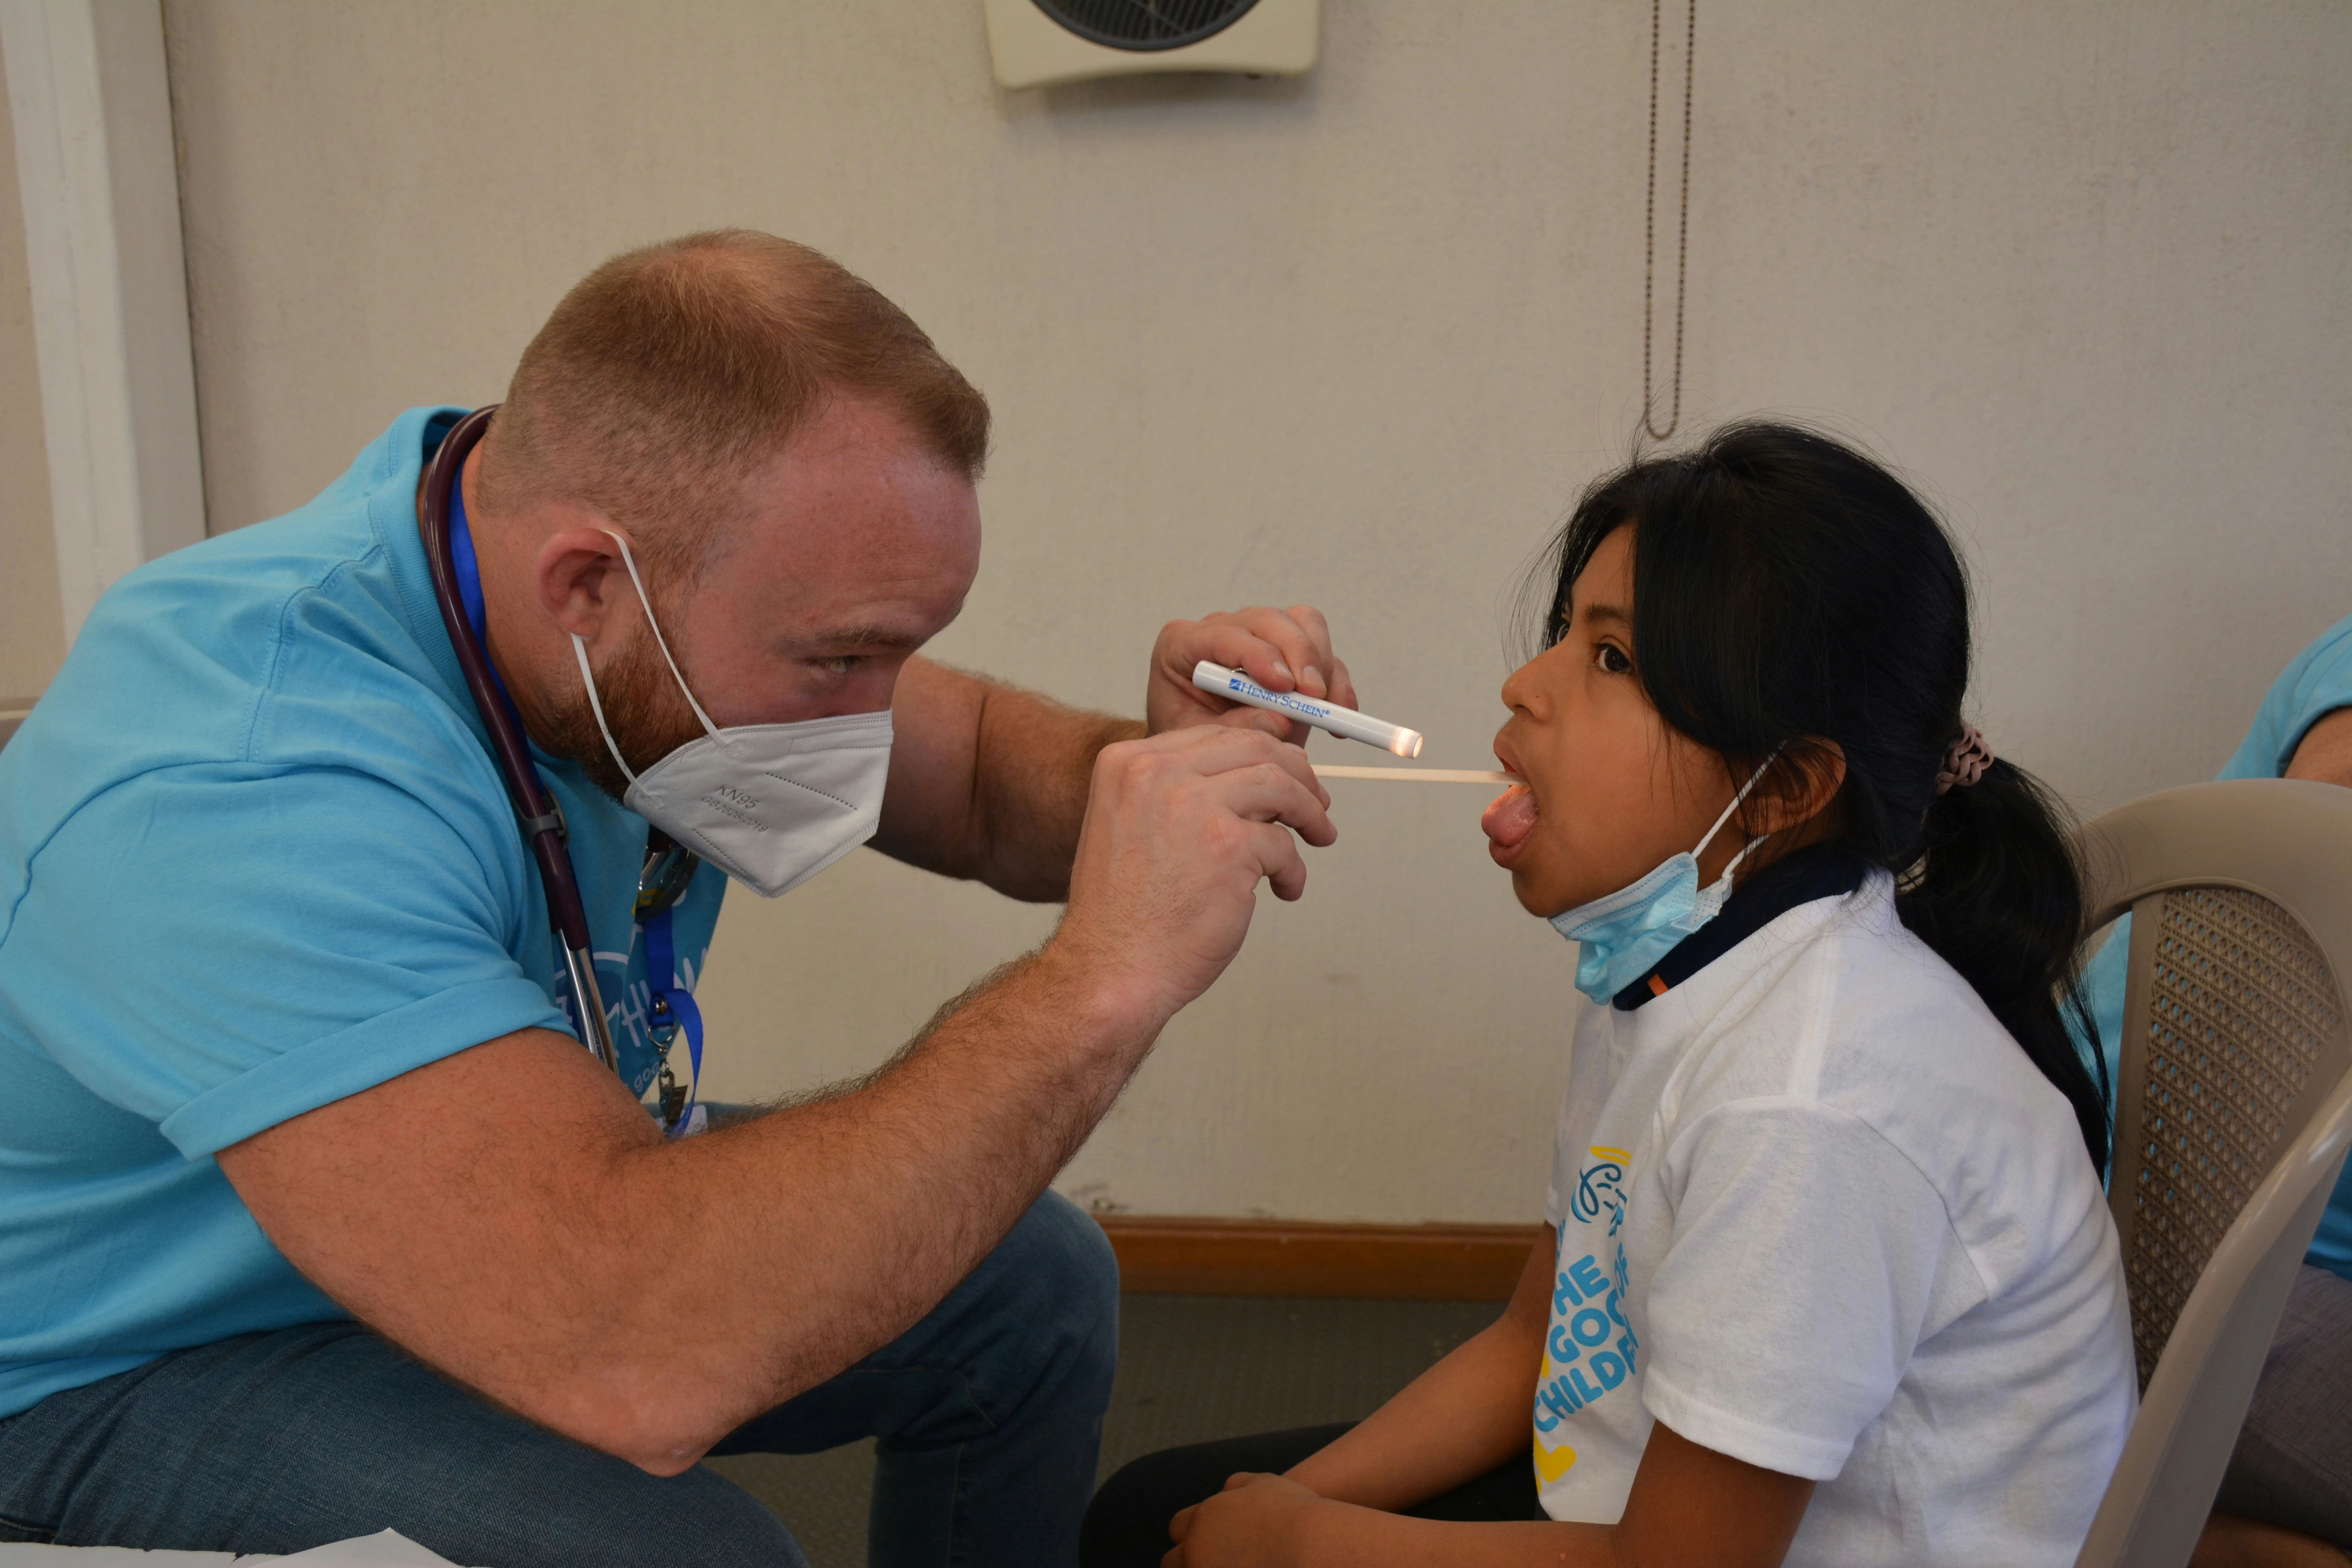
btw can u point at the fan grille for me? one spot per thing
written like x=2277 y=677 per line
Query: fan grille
x=1146 y=25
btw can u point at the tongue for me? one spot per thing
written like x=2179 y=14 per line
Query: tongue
x=1511 y=817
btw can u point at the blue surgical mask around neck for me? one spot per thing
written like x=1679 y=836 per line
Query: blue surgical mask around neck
x=1621 y=935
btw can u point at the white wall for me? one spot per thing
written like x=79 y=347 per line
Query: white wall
x=2081 y=268
x=99 y=193
x=32 y=625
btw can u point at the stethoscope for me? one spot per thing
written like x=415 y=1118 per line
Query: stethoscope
x=668 y=869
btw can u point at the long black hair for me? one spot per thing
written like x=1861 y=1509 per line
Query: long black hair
x=1789 y=592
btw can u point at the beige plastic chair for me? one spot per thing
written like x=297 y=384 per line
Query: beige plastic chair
x=2232 y=1114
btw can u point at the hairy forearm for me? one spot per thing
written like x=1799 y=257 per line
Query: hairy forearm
x=511 y=1215
x=1037 y=758
x=646 y=1297
x=989 y=781
x=798 y=1243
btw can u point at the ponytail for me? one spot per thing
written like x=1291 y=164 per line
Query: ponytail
x=1790 y=596
x=1996 y=893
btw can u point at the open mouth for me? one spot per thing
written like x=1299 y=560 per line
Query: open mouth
x=1510 y=819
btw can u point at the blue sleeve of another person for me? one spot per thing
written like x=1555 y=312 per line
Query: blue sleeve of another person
x=2318 y=682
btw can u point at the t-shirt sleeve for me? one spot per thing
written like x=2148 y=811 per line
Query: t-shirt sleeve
x=1555 y=1204
x=219 y=948
x=1804 y=1260
x=2317 y=683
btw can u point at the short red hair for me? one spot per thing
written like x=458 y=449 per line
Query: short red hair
x=670 y=373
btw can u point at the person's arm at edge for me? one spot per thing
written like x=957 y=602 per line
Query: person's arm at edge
x=989 y=781
x=509 y=1214
x=2324 y=752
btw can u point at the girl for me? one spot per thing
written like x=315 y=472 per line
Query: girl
x=1829 y=1277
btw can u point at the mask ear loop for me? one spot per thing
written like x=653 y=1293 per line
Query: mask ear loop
x=587 y=677
x=1737 y=801
x=659 y=641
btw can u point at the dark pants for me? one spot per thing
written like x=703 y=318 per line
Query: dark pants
x=988 y=1412
x=1127 y=1527
x=2292 y=1465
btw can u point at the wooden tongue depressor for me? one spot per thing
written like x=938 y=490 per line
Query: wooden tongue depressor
x=1420 y=775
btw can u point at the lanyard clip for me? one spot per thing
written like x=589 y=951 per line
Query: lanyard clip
x=668 y=869
x=532 y=827
x=674 y=1096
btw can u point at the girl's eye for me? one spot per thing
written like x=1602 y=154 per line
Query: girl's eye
x=1611 y=658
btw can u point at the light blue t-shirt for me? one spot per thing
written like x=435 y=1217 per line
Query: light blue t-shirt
x=2318 y=682
x=255 y=857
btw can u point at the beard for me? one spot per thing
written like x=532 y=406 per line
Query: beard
x=643 y=707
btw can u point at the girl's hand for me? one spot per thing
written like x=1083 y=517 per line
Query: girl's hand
x=1256 y=1522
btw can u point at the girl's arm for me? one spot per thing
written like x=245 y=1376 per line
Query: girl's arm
x=1456 y=1421
x=1461 y=1418
x=1689 y=1505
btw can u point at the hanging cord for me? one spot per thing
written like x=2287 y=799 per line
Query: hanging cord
x=1650 y=227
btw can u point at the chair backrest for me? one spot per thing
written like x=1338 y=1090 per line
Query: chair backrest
x=2233 y=1111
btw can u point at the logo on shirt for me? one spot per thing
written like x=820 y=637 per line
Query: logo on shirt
x=1553 y=1463
x=1589 y=1352
x=1601 y=1186
x=628 y=1001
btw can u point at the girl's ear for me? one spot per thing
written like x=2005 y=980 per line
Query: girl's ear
x=1801 y=783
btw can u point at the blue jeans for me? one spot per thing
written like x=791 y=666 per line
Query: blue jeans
x=989 y=1413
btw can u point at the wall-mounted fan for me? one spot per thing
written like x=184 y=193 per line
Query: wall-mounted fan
x=1037 y=42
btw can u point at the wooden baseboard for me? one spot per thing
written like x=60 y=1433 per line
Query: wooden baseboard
x=1187 y=1256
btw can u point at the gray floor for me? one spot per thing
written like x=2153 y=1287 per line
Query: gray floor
x=1191 y=1368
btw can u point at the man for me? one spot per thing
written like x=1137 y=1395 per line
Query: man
x=316 y=1219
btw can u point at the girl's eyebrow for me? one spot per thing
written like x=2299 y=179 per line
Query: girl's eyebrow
x=1605 y=613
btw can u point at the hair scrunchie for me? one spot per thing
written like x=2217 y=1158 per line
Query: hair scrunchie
x=1965 y=762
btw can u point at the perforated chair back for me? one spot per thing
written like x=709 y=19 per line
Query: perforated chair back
x=2233 y=1111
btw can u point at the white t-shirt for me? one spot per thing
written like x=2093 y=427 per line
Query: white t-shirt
x=1818 y=1212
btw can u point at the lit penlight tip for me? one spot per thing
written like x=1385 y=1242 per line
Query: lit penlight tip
x=1406 y=744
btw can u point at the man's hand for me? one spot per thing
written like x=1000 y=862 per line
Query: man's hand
x=1282 y=651
x=1180 y=830
x=1256 y=1522
x=990 y=782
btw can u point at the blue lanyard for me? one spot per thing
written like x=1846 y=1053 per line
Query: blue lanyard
x=469 y=590
x=672 y=1006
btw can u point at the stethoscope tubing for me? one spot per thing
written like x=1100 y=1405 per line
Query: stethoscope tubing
x=534 y=809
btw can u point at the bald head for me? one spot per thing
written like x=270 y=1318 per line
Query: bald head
x=670 y=375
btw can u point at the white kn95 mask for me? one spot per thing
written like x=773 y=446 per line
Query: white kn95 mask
x=770 y=804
